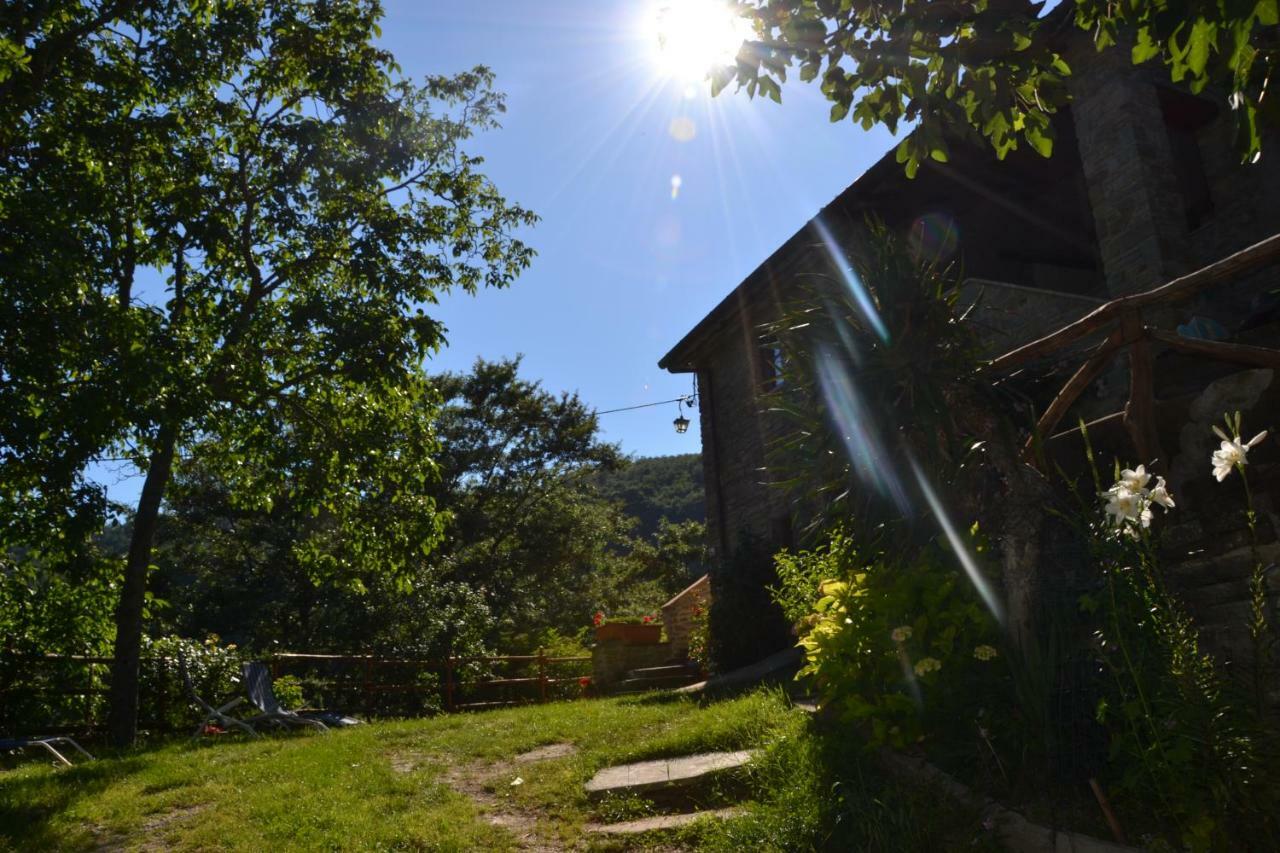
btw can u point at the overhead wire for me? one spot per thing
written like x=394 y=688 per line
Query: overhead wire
x=686 y=398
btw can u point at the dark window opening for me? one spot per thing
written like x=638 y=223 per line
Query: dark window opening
x=772 y=367
x=1184 y=116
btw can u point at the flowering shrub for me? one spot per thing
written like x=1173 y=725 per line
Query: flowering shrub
x=881 y=632
x=214 y=670
x=1182 y=736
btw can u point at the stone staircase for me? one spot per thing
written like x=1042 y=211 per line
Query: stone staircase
x=681 y=790
x=665 y=677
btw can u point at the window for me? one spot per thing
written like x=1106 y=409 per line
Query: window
x=772 y=367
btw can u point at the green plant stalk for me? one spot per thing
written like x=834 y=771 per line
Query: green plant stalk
x=1258 y=627
x=1142 y=698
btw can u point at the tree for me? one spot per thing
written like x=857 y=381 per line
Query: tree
x=530 y=543
x=527 y=524
x=991 y=70
x=219 y=222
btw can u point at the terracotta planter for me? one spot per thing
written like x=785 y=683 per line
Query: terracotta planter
x=629 y=633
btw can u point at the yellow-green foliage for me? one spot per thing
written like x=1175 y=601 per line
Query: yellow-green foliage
x=887 y=636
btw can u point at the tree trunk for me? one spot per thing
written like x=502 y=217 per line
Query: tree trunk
x=128 y=648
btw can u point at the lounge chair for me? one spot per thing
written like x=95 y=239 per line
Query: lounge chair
x=213 y=716
x=46 y=743
x=257 y=679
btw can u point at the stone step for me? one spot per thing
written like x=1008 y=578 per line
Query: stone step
x=665 y=821
x=661 y=671
x=644 y=685
x=665 y=773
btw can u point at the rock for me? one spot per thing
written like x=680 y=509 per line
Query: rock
x=648 y=776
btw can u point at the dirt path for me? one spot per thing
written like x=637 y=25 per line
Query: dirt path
x=479 y=780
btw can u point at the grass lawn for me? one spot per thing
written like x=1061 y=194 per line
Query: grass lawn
x=446 y=784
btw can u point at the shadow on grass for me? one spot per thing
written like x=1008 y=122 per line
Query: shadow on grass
x=29 y=801
x=820 y=789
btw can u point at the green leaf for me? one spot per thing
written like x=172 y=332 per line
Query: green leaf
x=1202 y=40
x=1144 y=47
x=1040 y=140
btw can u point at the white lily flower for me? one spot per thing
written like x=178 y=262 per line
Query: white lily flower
x=1160 y=494
x=1129 y=501
x=1134 y=480
x=1233 y=453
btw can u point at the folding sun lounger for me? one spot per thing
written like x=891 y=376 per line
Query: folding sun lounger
x=46 y=743
x=213 y=716
x=258 y=681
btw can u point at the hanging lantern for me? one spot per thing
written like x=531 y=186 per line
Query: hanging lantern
x=681 y=422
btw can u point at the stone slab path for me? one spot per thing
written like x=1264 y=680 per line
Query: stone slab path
x=664 y=773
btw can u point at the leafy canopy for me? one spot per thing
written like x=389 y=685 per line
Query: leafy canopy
x=219 y=222
x=991 y=69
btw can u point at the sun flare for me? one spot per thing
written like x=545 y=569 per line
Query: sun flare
x=694 y=37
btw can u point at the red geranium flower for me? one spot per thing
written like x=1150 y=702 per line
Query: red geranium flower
x=647 y=619
x=598 y=619
x=584 y=681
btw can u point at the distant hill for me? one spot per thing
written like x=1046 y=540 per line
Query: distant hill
x=656 y=487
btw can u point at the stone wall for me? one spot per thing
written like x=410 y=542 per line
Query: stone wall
x=678 y=613
x=611 y=660
x=1207 y=551
x=735 y=437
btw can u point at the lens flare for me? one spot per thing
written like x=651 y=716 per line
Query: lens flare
x=856 y=428
x=861 y=298
x=958 y=545
x=934 y=237
x=682 y=129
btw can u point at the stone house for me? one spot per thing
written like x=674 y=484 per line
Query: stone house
x=1144 y=185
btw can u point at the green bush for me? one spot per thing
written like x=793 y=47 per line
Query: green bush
x=902 y=646
x=214 y=669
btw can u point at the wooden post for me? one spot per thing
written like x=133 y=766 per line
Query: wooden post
x=1140 y=411
x=368 y=684
x=88 y=696
x=448 y=683
x=542 y=676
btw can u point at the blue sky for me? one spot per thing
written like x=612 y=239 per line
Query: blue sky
x=588 y=142
x=596 y=130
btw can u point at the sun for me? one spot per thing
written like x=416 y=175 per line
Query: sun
x=694 y=37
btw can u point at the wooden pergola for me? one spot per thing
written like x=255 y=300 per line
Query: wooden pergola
x=1122 y=321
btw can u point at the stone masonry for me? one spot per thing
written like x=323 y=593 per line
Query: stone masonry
x=678 y=614
x=1144 y=185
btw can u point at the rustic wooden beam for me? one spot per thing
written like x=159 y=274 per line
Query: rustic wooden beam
x=1140 y=411
x=1220 y=351
x=1245 y=261
x=1076 y=385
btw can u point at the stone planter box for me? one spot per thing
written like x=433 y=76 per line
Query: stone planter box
x=629 y=633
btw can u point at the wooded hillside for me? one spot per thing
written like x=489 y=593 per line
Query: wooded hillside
x=656 y=487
